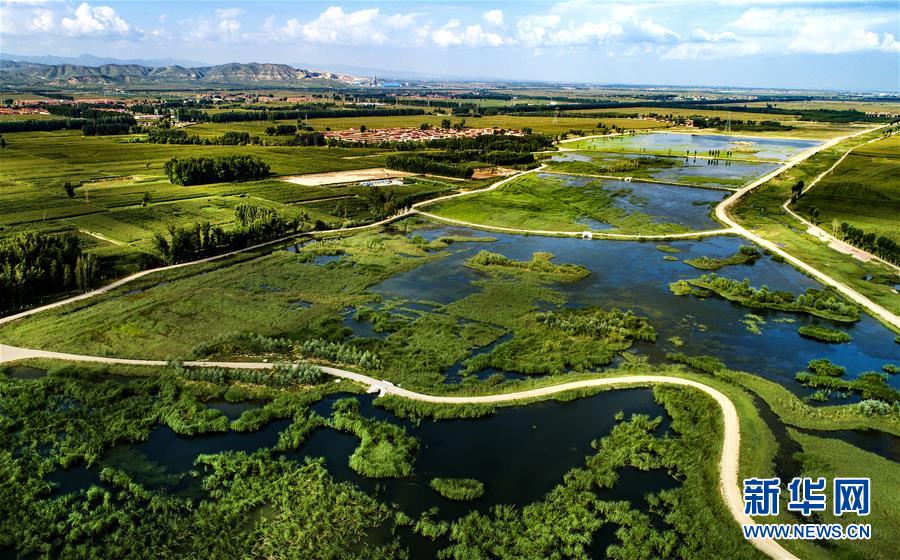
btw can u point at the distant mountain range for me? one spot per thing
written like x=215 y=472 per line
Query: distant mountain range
x=93 y=60
x=15 y=72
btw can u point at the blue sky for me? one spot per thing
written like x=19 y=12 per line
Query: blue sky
x=762 y=43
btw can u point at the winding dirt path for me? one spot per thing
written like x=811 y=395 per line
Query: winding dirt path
x=723 y=215
x=819 y=233
x=729 y=460
x=593 y=234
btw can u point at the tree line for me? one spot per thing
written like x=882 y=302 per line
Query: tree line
x=38 y=264
x=117 y=124
x=253 y=224
x=163 y=135
x=879 y=245
x=197 y=115
x=420 y=163
x=202 y=170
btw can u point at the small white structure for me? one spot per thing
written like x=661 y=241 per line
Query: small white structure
x=587 y=235
x=381 y=183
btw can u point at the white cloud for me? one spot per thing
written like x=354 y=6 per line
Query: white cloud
x=703 y=35
x=471 y=36
x=493 y=17
x=229 y=13
x=42 y=21
x=95 y=21
x=335 y=26
x=816 y=31
x=585 y=23
x=889 y=44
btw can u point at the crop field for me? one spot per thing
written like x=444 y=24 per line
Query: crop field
x=112 y=176
x=864 y=106
x=761 y=212
x=538 y=124
x=864 y=190
x=801 y=129
x=686 y=112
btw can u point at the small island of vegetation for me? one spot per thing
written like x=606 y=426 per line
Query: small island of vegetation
x=539 y=264
x=459 y=489
x=824 y=375
x=746 y=254
x=813 y=301
x=824 y=334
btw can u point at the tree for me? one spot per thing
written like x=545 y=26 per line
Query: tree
x=797 y=189
x=445 y=123
x=145 y=200
x=424 y=126
x=362 y=128
x=2 y=143
x=70 y=190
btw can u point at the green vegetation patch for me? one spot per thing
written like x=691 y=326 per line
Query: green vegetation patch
x=830 y=458
x=863 y=192
x=761 y=212
x=385 y=450
x=824 y=334
x=822 y=374
x=746 y=254
x=813 y=301
x=539 y=264
x=667 y=248
x=549 y=202
x=458 y=489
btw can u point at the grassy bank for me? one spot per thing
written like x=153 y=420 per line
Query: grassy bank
x=760 y=211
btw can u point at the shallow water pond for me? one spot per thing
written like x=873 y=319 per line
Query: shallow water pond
x=633 y=275
x=728 y=173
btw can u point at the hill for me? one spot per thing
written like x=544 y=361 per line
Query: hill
x=31 y=73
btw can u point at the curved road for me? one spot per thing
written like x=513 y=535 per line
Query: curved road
x=723 y=215
x=729 y=460
x=594 y=234
x=816 y=231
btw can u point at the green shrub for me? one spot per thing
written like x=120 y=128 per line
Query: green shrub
x=459 y=489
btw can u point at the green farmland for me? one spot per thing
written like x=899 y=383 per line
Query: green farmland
x=122 y=197
x=864 y=190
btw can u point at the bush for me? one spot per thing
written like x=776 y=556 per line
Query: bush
x=459 y=489
x=872 y=407
x=824 y=334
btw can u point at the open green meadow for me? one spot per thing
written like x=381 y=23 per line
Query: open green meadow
x=122 y=197
x=551 y=203
x=864 y=190
x=760 y=211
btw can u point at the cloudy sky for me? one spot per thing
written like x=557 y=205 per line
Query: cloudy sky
x=828 y=45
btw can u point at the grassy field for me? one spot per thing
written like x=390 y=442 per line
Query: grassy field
x=864 y=190
x=112 y=175
x=548 y=202
x=829 y=458
x=761 y=212
x=864 y=106
x=801 y=129
x=538 y=124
